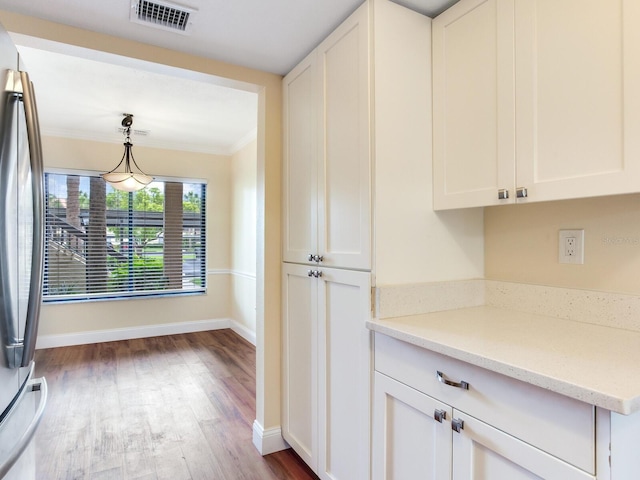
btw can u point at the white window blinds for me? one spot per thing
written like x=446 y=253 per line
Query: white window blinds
x=104 y=243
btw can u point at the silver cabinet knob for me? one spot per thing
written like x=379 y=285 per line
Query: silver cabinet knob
x=314 y=273
x=310 y=257
x=439 y=415
x=318 y=258
x=461 y=384
x=309 y=273
x=503 y=194
x=521 y=192
x=457 y=424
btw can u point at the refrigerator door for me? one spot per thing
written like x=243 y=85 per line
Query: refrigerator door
x=9 y=377
x=17 y=453
x=21 y=225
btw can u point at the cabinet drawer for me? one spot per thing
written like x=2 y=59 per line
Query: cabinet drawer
x=556 y=424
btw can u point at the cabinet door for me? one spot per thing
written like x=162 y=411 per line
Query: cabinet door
x=473 y=105
x=408 y=442
x=300 y=189
x=344 y=372
x=344 y=164
x=299 y=362
x=577 y=97
x=481 y=452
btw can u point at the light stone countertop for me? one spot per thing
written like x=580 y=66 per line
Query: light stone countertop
x=596 y=364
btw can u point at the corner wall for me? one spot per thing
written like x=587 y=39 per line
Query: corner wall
x=412 y=243
x=243 y=238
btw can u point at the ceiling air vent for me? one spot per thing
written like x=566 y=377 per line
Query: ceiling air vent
x=164 y=15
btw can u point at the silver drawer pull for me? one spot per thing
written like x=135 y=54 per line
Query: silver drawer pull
x=462 y=384
x=439 y=415
x=457 y=424
x=521 y=192
x=503 y=194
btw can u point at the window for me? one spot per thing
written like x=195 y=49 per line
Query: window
x=104 y=243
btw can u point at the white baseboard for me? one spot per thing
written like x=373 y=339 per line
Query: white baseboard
x=143 y=331
x=268 y=441
x=244 y=332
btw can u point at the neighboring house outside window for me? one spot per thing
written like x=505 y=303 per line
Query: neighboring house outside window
x=102 y=243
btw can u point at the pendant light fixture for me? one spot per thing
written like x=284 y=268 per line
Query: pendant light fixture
x=127 y=180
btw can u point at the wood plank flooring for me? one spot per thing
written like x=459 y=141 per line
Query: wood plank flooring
x=175 y=407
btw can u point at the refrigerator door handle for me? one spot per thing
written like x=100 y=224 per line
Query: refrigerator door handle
x=11 y=338
x=23 y=442
x=37 y=178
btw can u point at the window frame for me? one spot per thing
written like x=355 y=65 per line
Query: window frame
x=139 y=294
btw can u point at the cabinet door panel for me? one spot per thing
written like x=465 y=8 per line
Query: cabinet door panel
x=408 y=443
x=300 y=162
x=577 y=83
x=300 y=330
x=344 y=166
x=481 y=452
x=344 y=374
x=473 y=143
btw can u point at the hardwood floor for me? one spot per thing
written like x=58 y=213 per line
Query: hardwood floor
x=174 y=407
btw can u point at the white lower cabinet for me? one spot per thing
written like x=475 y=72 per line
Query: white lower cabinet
x=327 y=359
x=481 y=451
x=429 y=426
x=408 y=441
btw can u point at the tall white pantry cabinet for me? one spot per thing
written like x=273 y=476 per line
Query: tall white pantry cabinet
x=332 y=150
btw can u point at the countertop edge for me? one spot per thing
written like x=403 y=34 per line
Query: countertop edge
x=624 y=406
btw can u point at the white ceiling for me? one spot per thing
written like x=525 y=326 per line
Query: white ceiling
x=82 y=94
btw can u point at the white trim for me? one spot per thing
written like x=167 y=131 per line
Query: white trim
x=268 y=441
x=218 y=271
x=238 y=273
x=245 y=332
x=143 y=331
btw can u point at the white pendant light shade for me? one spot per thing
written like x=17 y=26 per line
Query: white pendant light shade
x=127 y=180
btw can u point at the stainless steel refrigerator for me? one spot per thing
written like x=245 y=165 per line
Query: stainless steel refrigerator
x=22 y=397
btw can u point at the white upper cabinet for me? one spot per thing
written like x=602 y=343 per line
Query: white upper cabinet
x=300 y=189
x=535 y=100
x=577 y=97
x=473 y=104
x=344 y=209
x=327 y=152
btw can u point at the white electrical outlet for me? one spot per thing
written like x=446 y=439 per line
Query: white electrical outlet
x=571 y=246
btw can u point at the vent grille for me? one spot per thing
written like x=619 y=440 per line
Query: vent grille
x=162 y=15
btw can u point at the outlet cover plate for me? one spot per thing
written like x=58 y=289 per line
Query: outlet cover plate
x=571 y=246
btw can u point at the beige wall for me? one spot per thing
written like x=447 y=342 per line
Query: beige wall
x=269 y=89
x=98 y=156
x=243 y=236
x=521 y=243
